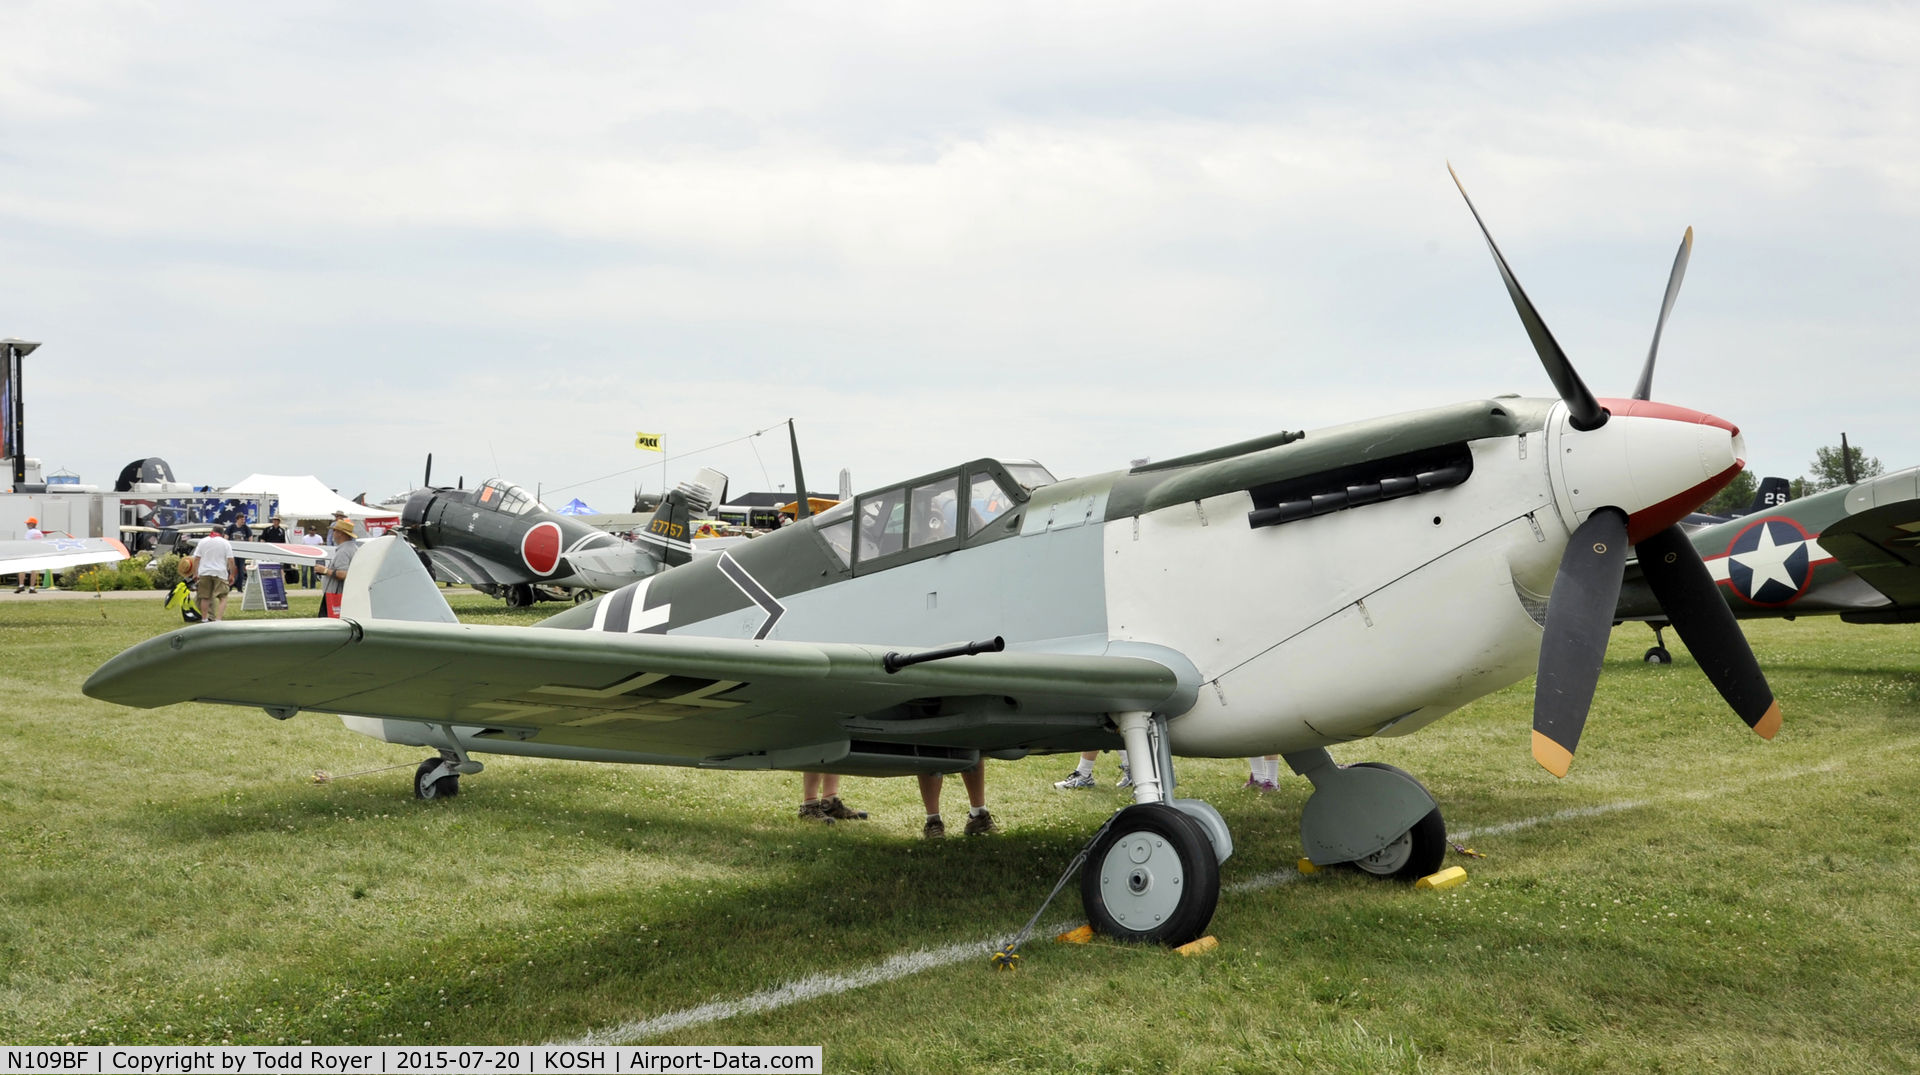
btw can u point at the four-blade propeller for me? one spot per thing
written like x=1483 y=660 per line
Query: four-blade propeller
x=1586 y=589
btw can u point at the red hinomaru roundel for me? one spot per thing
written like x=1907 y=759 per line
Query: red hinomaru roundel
x=540 y=548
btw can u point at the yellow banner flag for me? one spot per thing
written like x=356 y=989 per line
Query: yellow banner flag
x=647 y=442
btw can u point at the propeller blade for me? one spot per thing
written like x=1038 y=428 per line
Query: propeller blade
x=1587 y=412
x=801 y=508
x=1579 y=619
x=426 y=482
x=1691 y=599
x=1644 y=390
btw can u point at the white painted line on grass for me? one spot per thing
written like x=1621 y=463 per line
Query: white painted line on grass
x=1558 y=815
x=813 y=987
x=907 y=964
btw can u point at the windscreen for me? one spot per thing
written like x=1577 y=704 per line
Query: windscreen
x=1029 y=474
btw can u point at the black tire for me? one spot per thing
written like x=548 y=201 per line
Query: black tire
x=444 y=788
x=1426 y=844
x=1158 y=866
x=519 y=595
x=1658 y=655
x=581 y=597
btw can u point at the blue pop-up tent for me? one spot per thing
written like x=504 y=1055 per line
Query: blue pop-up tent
x=574 y=507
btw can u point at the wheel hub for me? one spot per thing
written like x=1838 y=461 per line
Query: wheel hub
x=1390 y=858
x=1141 y=880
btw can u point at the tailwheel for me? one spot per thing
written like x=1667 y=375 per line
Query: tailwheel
x=1658 y=654
x=435 y=778
x=581 y=597
x=1151 y=877
x=1416 y=852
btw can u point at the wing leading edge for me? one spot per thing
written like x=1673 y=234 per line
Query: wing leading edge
x=657 y=694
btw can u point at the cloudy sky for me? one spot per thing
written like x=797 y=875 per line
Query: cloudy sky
x=308 y=237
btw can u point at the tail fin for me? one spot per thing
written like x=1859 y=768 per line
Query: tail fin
x=670 y=533
x=1773 y=493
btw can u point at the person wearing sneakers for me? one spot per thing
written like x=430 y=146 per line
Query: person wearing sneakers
x=1264 y=773
x=1082 y=775
x=820 y=799
x=213 y=575
x=28 y=579
x=979 y=821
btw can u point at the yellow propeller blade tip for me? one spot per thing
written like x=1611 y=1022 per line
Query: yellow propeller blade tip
x=1769 y=723
x=1552 y=757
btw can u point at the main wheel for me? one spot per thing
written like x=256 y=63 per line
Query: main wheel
x=444 y=788
x=1658 y=655
x=1417 y=852
x=1151 y=877
x=519 y=595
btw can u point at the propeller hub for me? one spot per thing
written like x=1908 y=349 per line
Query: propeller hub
x=1653 y=461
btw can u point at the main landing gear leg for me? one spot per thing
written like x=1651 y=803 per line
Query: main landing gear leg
x=1153 y=875
x=1373 y=816
x=1658 y=654
x=438 y=777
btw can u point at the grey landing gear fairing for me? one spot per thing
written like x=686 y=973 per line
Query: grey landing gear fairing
x=1153 y=872
x=1369 y=815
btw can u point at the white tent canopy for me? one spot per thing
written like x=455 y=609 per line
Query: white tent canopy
x=303 y=496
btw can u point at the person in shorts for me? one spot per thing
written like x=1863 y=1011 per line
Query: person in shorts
x=213 y=578
x=30 y=580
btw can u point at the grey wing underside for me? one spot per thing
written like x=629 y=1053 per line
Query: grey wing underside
x=57 y=554
x=454 y=565
x=722 y=702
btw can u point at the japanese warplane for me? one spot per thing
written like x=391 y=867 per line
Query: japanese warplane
x=500 y=540
x=58 y=553
x=1853 y=551
x=1285 y=594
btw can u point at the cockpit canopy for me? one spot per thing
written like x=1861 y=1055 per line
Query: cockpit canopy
x=925 y=517
x=504 y=496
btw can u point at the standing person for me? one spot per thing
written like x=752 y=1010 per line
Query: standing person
x=1264 y=774
x=29 y=579
x=313 y=541
x=238 y=530
x=979 y=821
x=820 y=799
x=274 y=533
x=213 y=575
x=336 y=576
x=1082 y=775
x=342 y=530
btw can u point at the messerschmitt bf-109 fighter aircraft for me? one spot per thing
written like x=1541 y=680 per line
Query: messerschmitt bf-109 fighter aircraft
x=1853 y=552
x=1282 y=595
x=500 y=540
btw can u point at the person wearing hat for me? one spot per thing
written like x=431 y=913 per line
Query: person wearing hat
x=274 y=533
x=342 y=530
x=27 y=579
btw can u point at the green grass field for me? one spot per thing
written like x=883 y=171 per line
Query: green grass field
x=1726 y=904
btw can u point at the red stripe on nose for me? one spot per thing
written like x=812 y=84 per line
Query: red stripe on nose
x=1647 y=522
x=1646 y=408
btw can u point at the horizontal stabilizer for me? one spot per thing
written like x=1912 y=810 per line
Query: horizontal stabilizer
x=386 y=581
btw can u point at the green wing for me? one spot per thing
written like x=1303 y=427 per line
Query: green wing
x=701 y=698
x=1882 y=546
